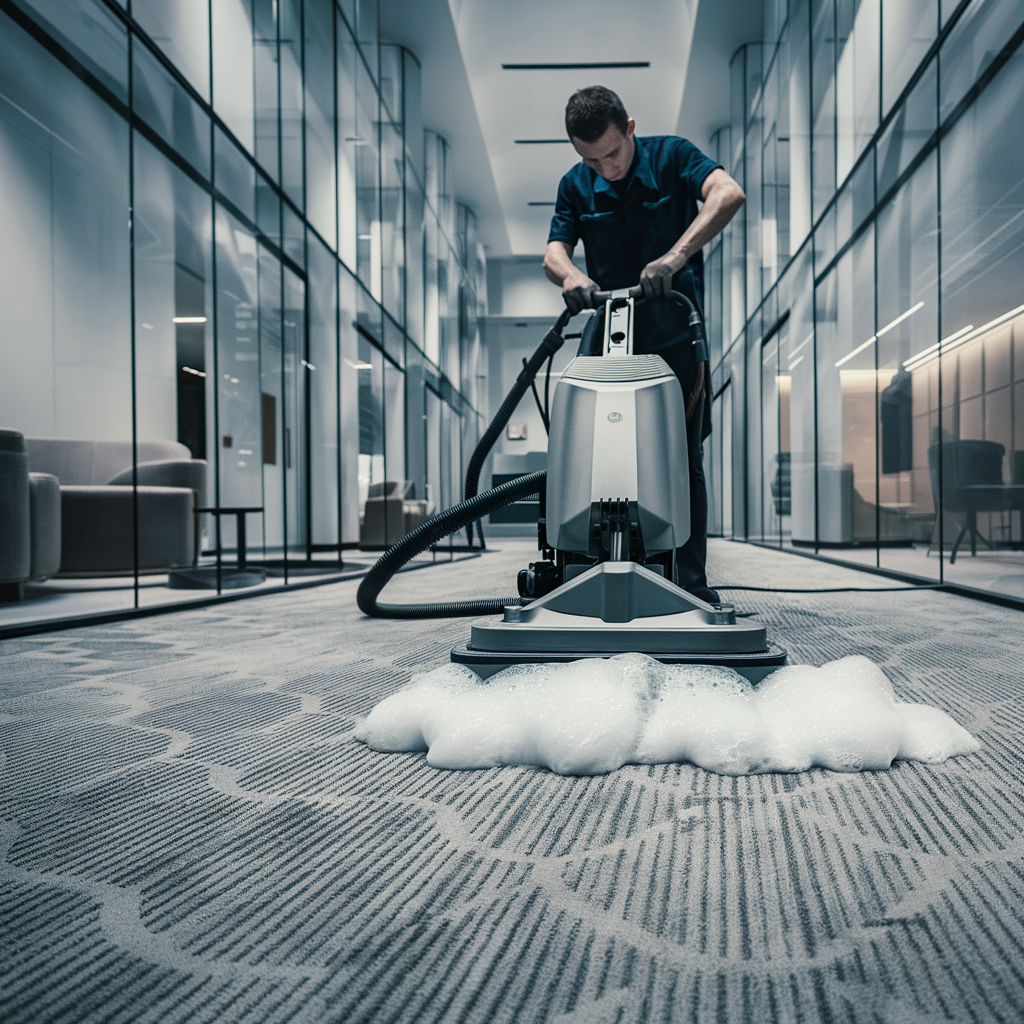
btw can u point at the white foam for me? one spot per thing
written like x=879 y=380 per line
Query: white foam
x=595 y=715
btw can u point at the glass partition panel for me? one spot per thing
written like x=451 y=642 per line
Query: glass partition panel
x=291 y=96
x=846 y=405
x=160 y=100
x=265 y=64
x=908 y=131
x=754 y=512
x=349 y=144
x=976 y=39
x=181 y=28
x=321 y=153
x=796 y=359
x=857 y=41
x=238 y=440
x=908 y=312
x=295 y=375
x=67 y=335
x=774 y=442
x=276 y=455
x=392 y=214
x=349 y=398
x=91 y=32
x=234 y=58
x=823 y=103
x=908 y=30
x=394 y=452
x=982 y=202
x=797 y=102
x=234 y=174
x=367 y=167
x=370 y=367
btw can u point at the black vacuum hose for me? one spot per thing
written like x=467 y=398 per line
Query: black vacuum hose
x=552 y=342
x=430 y=532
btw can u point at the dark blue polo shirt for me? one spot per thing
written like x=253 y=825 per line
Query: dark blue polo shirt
x=621 y=236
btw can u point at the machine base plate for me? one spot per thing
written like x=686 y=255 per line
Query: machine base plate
x=751 y=666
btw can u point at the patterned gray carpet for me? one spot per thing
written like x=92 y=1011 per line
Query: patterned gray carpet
x=190 y=834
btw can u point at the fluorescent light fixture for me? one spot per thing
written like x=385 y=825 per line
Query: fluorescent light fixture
x=795 y=363
x=857 y=351
x=885 y=330
x=962 y=337
x=309 y=366
x=360 y=365
x=189 y=319
x=903 y=316
x=195 y=373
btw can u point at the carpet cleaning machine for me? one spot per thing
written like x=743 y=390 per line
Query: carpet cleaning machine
x=615 y=504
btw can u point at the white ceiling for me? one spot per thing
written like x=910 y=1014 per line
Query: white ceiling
x=482 y=109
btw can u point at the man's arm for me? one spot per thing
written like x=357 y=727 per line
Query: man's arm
x=561 y=270
x=722 y=198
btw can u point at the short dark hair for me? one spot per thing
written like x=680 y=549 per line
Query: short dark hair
x=590 y=111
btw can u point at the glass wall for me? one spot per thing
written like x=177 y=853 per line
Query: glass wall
x=866 y=310
x=235 y=279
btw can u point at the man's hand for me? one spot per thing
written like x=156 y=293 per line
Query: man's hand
x=576 y=289
x=656 y=277
x=561 y=270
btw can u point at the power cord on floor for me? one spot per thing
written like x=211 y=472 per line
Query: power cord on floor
x=835 y=590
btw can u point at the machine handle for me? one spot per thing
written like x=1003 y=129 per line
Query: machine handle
x=636 y=293
x=696 y=323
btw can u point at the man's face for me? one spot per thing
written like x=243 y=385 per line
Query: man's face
x=611 y=155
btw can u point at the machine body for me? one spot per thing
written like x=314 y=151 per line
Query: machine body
x=617 y=507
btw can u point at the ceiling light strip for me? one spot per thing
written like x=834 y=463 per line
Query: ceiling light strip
x=585 y=66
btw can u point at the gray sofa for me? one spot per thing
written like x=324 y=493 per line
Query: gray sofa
x=30 y=520
x=391 y=511
x=97 y=503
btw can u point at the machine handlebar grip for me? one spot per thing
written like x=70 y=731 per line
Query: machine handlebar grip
x=636 y=293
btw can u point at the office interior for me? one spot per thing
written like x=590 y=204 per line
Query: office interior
x=267 y=270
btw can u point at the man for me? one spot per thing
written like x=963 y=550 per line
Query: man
x=633 y=202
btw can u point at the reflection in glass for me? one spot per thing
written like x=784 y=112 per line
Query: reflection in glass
x=823 y=103
x=238 y=441
x=322 y=369
x=908 y=30
x=320 y=146
x=846 y=381
x=908 y=131
x=295 y=375
x=234 y=174
x=169 y=110
x=857 y=32
x=907 y=409
x=92 y=33
x=234 y=57
x=181 y=29
x=290 y=70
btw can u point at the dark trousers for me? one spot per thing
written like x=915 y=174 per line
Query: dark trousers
x=691 y=558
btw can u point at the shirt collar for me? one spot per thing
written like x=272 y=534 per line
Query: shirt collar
x=643 y=173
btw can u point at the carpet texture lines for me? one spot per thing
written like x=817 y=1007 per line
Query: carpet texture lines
x=190 y=834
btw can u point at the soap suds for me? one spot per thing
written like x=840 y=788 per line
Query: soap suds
x=595 y=715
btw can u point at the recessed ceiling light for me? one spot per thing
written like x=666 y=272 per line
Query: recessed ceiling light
x=189 y=319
